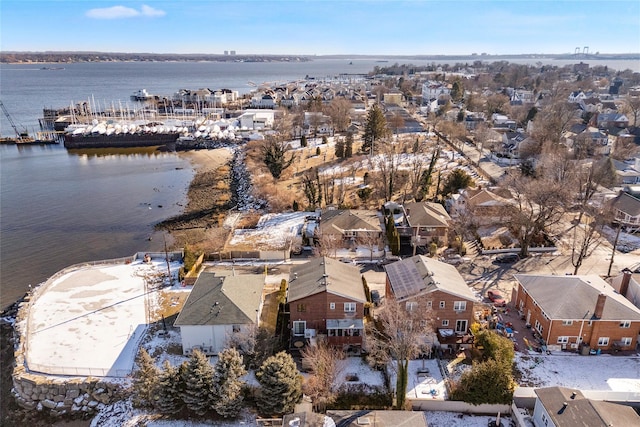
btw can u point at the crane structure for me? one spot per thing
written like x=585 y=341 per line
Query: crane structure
x=21 y=136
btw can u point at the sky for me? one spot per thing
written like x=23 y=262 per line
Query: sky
x=321 y=27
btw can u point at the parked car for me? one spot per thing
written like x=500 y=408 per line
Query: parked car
x=454 y=260
x=496 y=298
x=375 y=297
x=507 y=258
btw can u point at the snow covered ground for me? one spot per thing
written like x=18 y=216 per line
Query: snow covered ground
x=272 y=231
x=603 y=372
x=90 y=320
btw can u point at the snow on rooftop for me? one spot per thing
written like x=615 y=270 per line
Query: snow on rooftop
x=90 y=320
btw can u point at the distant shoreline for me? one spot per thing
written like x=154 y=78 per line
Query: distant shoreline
x=71 y=57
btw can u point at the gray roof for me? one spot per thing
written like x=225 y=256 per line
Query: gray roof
x=426 y=214
x=574 y=297
x=222 y=300
x=627 y=203
x=581 y=411
x=420 y=275
x=325 y=275
x=341 y=220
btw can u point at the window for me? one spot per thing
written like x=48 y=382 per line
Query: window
x=332 y=306
x=603 y=341
x=461 y=326
x=301 y=308
x=538 y=327
x=236 y=328
x=411 y=306
x=445 y=322
x=442 y=304
x=429 y=304
x=299 y=327
x=567 y=322
x=625 y=324
x=545 y=420
x=350 y=307
x=563 y=340
x=590 y=323
x=626 y=341
x=460 y=305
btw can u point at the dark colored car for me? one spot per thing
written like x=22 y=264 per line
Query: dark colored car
x=375 y=297
x=507 y=258
x=496 y=298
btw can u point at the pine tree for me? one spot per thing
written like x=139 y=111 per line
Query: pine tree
x=281 y=385
x=348 y=146
x=198 y=381
x=340 y=148
x=303 y=141
x=145 y=380
x=227 y=385
x=169 y=396
x=375 y=128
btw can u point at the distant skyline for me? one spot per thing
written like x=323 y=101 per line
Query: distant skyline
x=314 y=27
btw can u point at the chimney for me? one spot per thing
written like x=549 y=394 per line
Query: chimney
x=597 y=313
x=624 y=285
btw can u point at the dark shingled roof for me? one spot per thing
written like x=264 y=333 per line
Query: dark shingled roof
x=325 y=275
x=222 y=300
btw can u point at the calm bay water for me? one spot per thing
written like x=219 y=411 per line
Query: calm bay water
x=60 y=207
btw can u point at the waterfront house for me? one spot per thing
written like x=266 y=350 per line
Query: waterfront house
x=567 y=312
x=348 y=229
x=326 y=300
x=217 y=307
x=564 y=407
x=438 y=285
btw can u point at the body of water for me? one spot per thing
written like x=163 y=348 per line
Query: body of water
x=60 y=207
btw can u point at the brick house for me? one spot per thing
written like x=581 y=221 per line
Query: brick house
x=436 y=284
x=567 y=311
x=326 y=300
x=350 y=228
x=425 y=222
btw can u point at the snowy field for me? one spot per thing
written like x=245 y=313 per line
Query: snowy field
x=272 y=231
x=90 y=321
x=603 y=372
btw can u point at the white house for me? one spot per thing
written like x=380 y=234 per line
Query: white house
x=256 y=119
x=563 y=407
x=217 y=307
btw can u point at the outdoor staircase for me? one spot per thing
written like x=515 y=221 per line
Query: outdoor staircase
x=472 y=248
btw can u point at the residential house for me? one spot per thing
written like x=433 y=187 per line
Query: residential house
x=569 y=311
x=483 y=206
x=627 y=210
x=263 y=101
x=627 y=172
x=422 y=223
x=350 y=228
x=217 y=307
x=564 y=407
x=326 y=300
x=423 y=280
x=606 y=120
x=627 y=284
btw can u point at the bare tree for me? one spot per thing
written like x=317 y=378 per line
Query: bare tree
x=371 y=240
x=385 y=164
x=328 y=245
x=632 y=106
x=539 y=204
x=255 y=343
x=399 y=335
x=325 y=363
x=339 y=111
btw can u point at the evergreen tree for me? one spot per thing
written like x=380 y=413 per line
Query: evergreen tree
x=145 y=380
x=169 y=395
x=340 y=145
x=486 y=382
x=348 y=146
x=375 y=128
x=198 y=381
x=457 y=180
x=303 y=141
x=276 y=157
x=281 y=385
x=227 y=385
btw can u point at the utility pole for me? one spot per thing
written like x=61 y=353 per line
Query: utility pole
x=613 y=251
